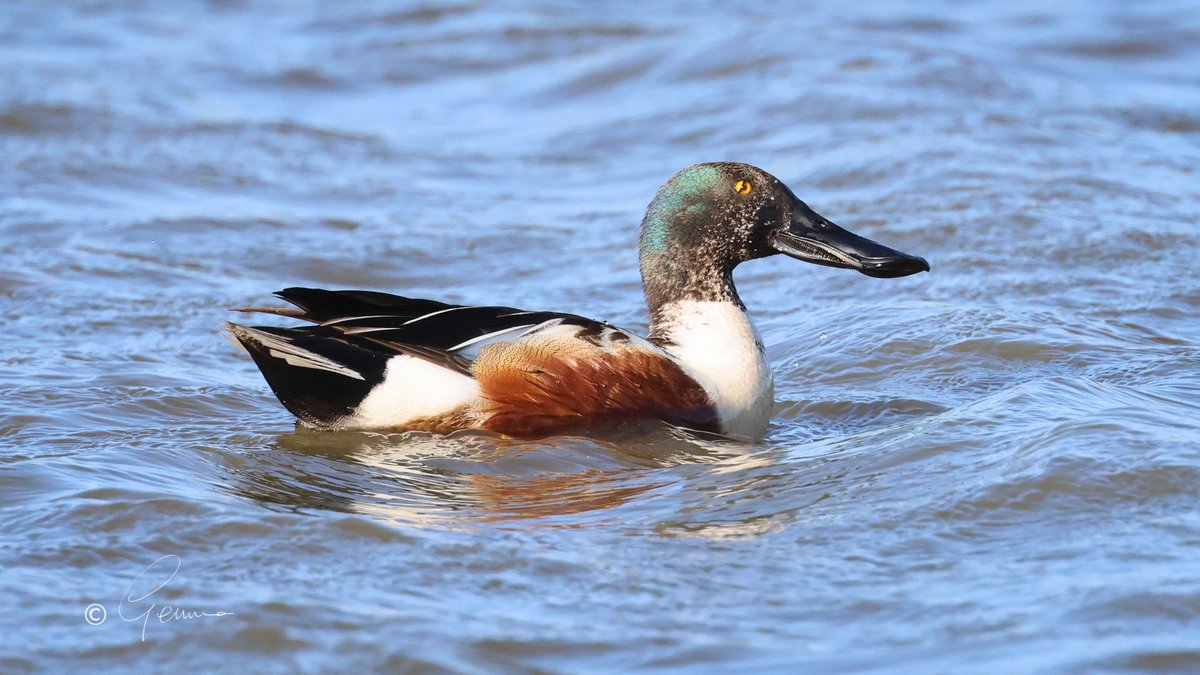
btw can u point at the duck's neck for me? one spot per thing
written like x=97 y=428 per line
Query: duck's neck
x=670 y=280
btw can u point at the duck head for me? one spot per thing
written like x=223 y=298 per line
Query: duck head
x=708 y=218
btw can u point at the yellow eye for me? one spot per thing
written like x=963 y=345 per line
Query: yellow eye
x=742 y=187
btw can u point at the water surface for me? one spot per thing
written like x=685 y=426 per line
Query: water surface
x=992 y=467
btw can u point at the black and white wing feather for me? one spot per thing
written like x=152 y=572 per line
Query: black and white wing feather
x=451 y=335
x=325 y=372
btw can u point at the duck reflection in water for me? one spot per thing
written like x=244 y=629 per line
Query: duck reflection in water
x=418 y=478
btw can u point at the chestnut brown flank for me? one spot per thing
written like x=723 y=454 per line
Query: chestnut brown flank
x=541 y=386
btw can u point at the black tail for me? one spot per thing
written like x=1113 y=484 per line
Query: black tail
x=316 y=373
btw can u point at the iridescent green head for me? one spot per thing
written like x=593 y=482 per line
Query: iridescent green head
x=708 y=218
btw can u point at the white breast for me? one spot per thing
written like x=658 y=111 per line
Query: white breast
x=717 y=345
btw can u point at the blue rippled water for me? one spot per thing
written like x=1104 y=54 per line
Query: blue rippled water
x=994 y=467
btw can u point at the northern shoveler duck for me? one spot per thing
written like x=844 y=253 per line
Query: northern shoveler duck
x=377 y=361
